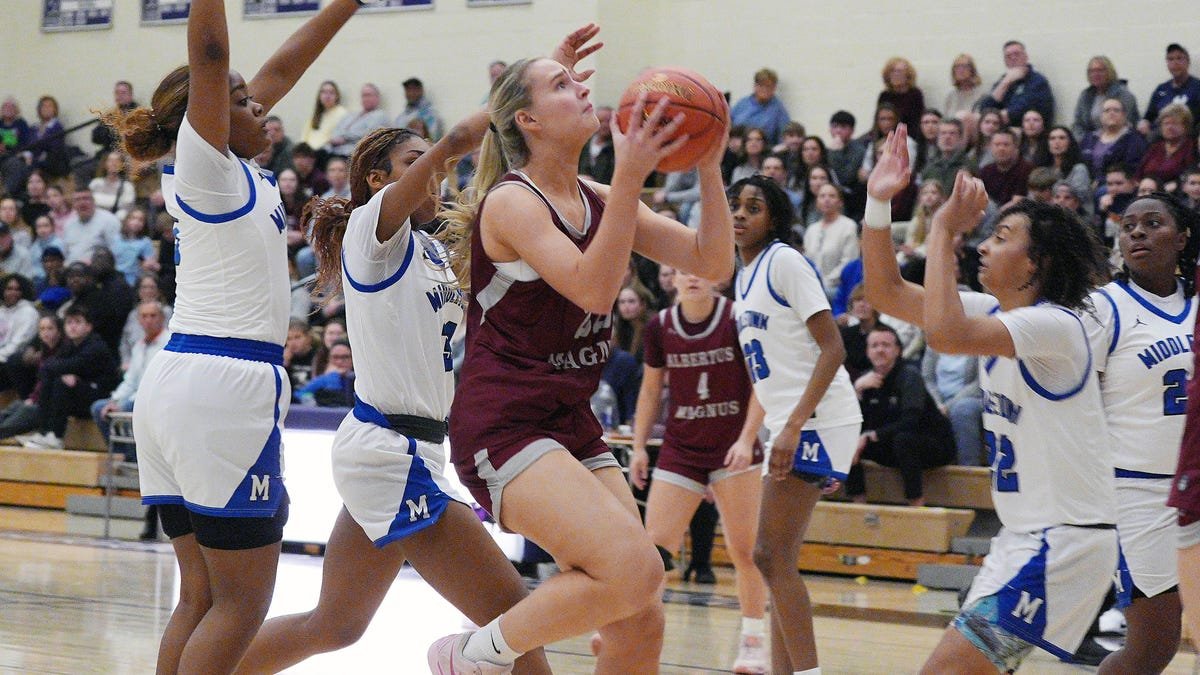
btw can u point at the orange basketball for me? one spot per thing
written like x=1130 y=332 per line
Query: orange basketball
x=702 y=105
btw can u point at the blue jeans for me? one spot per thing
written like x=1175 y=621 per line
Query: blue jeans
x=102 y=422
x=966 y=418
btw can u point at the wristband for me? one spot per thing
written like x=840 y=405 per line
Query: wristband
x=878 y=214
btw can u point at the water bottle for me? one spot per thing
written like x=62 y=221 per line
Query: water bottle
x=604 y=406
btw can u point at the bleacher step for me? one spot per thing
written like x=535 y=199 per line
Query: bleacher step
x=121 y=482
x=962 y=487
x=122 y=507
x=971 y=545
x=944 y=576
x=906 y=528
x=60 y=467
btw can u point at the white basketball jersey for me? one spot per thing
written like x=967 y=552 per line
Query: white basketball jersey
x=402 y=308
x=1142 y=344
x=1043 y=421
x=230 y=246
x=777 y=293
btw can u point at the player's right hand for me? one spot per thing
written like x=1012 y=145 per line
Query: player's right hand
x=648 y=140
x=893 y=170
x=639 y=468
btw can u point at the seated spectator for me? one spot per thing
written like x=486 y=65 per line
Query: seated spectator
x=597 y=158
x=953 y=382
x=886 y=119
x=327 y=112
x=1120 y=191
x=1114 y=142
x=813 y=153
x=774 y=169
x=832 y=241
x=164 y=265
x=634 y=303
x=21 y=416
x=789 y=148
x=14 y=134
x=1066 y=196
x=334 y=389
x=310 y=177
x=281 y=146
x=294 y=196
x=14 y=259
x=1040 y=186
x=155 y=335
x=762 y=109
x=902 y=426
x=88 y=228
x=71 y=380
x=418 y=108
x=1008 y=175
x=950 y=158
x=980 y=154
x=930 y=198
x=1174 y=151
x=47 y=149
x=681 y=189
x=1103 y=84
x=334 y=331
x=133 y=333
x=818 y=177
x=34 y=203
x=61 y=210
x=10 y=215
x=623 y=374
x=1033 y=147
x=52 y=289
x=1148 y=185
x=354 y=126
x=44 y=238
x=927 y=139
x=664 y=297
x=1065 y=157
x=18 y=319
x=733 y=150
x=133 y=246
x=110 y=302
x=754 y=151
x=1181 y=88
x=846 y=154
x=337 y=172
x=861 y=319
x=1191 y=187
x=298 y=353
x=962 y=101
x=901 y=91
x=112 y=189
x=1021 y=88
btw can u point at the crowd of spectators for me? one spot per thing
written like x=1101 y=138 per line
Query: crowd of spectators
x=86 y=235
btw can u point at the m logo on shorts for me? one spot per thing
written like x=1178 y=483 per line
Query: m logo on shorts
x=1027 y=607
x=810 y=452
x=260 y=487
x=417 y=509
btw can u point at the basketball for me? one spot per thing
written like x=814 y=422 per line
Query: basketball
x=702 y=105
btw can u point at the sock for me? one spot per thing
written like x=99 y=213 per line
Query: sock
x=488 y=645
x=754 y=627
x=810 y=671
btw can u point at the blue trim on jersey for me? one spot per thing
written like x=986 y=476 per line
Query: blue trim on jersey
x=250 y=497
x=1127 y=473
x=412 y=516
x=1187 y=305
x=1125 y=585
x=1112 y=345
x=1047 y=394
x=750 y=284
x=223 y=217
x=237 y=348
x=818 y=465
x=382 y=285
x=771 y=289
x=169 y=169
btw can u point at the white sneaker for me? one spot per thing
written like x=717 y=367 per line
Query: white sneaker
x=752 y=656
x=50 y=441
x=33 y=440
x=445 y=657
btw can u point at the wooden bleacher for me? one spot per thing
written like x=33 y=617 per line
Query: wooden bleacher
x=960 y=487
x=46 y=478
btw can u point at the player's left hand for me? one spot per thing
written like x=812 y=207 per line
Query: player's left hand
x=783 y=453
x=739 y=456
x=574 y=48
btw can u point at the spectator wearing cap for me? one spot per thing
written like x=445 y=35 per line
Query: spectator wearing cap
x=1181 y=88
x=14 y=259
x=54 y=278
x=417 y=107
x=88 y=228
x=762 y=109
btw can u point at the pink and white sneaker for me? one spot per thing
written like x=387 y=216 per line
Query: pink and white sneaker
x=752 y=656
x=445 y=657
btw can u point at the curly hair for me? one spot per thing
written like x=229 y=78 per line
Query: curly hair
x=779 y=207
x=1186 y=221
x=1067 y=255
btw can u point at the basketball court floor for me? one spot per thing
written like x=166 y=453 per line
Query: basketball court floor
x=72 y=602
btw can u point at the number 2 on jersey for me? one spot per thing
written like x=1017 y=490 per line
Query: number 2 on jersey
x=1002 y=458
x=1175 y=392
x=447 y=333
x=756 y=361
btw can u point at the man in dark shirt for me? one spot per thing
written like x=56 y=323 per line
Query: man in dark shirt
x=1008 y=175
x=902 y=426
x=1020 y=89
x=304 y=161
x=846 y=155
x=1181 y=88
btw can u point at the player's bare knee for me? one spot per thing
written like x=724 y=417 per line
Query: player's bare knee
x=640 y=575
x=770 y=563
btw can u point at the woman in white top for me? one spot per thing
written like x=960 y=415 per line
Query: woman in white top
x=328 y=111
x=112 y=190
x=832 y=241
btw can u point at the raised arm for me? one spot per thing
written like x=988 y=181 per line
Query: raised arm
x=948 y=329
x=886 y=290
x=415 y=188
x=280 y=73
x=208 y=72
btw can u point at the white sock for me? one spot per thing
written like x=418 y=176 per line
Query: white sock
x=753 y=627
x=810 y=671
x=487 y=645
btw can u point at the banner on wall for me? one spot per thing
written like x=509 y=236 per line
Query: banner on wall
x=493 y=3
x=63 y=15
x=164 y=12
x=273 y=9
x=397 y=5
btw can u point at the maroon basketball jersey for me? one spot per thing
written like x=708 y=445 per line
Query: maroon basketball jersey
x=707 y=377
x=532 y=355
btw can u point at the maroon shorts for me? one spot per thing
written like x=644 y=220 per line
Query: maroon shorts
x=1185 y=491
x=695 y=471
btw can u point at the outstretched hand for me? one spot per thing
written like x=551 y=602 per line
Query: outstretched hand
x=964 y=209
x=893 y=170
x=574 y=48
